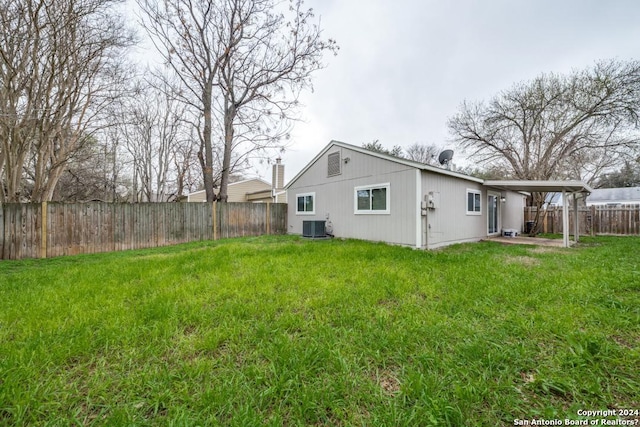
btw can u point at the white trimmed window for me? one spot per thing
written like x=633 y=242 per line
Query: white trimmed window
x=306 y=204
x=474 y=198
x=372 y=199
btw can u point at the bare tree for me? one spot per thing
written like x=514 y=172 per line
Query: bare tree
x=184 y=33
x=91 y=174
x=627 y=176
x=423 y=153
x=267 y=59
x=60 y=67
x=184 y=161
x=556 y=126
x=536 y=129
x=156 y=139
x=377 y=146
x=486 y=172
x=241 y=64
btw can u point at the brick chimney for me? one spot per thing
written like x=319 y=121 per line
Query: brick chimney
x=277 y=181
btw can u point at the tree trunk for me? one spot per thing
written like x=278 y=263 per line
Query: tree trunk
x=15 y=153
x=229 y=116
x=207 y=162
x=52 y=181
x=538 y=202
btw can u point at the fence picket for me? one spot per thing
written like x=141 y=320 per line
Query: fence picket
x=73 y=228
x=593 y=220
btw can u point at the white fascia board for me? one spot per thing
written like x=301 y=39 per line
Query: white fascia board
x=543 y=186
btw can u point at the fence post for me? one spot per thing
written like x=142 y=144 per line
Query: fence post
x=43 y=230
x=1 y=231
x=215 y=220
x=268 y=219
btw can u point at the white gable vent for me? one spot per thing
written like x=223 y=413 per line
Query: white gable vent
x=333 y=164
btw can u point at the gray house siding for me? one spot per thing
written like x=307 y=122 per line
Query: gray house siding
x=449 y=222
x=427 y=207
x=334 y=198
x=513 y=210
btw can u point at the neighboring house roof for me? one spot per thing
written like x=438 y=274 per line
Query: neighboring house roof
x=554 y=199
x=394 y=159
x=614 y=195
x=231 y=184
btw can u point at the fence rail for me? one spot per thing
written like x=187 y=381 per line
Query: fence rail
x=41 y=230
x=592 y=220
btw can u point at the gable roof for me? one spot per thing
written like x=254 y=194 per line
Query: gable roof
x=406 y=162
x=231 y=184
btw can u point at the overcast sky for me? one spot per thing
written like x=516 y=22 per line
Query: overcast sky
x=404 y=66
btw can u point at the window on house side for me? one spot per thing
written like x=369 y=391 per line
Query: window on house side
x=305 y=204
x=372 y=199
x=473 y=202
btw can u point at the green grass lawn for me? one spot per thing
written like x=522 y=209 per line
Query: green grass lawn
x=283 y=331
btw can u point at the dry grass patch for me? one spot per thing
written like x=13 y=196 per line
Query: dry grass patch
x=527 y=261
x=623 y=342
x=546 y=250
x=388 y=382
x=527 y=377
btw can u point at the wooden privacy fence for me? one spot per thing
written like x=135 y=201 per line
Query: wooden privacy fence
x=41 y=230
x=592 y=220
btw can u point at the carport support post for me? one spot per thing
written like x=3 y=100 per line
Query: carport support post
x=576 y=226
x=565 y=220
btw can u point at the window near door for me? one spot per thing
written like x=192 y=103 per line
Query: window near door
x=305 y=204
x=372 y=199
x=473 y=202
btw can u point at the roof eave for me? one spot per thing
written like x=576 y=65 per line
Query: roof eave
x=571 y=186
x=394 y=159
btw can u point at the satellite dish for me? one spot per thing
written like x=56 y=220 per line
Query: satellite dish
x=445 y=157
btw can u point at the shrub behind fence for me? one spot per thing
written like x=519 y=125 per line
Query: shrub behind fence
x=41 y=230
x=592 y=220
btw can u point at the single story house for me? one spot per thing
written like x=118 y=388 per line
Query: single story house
x=552 y=200
x=602 y=197
x=614 y=196
x=239 y=191
x=372 y=196
x=252 y=190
